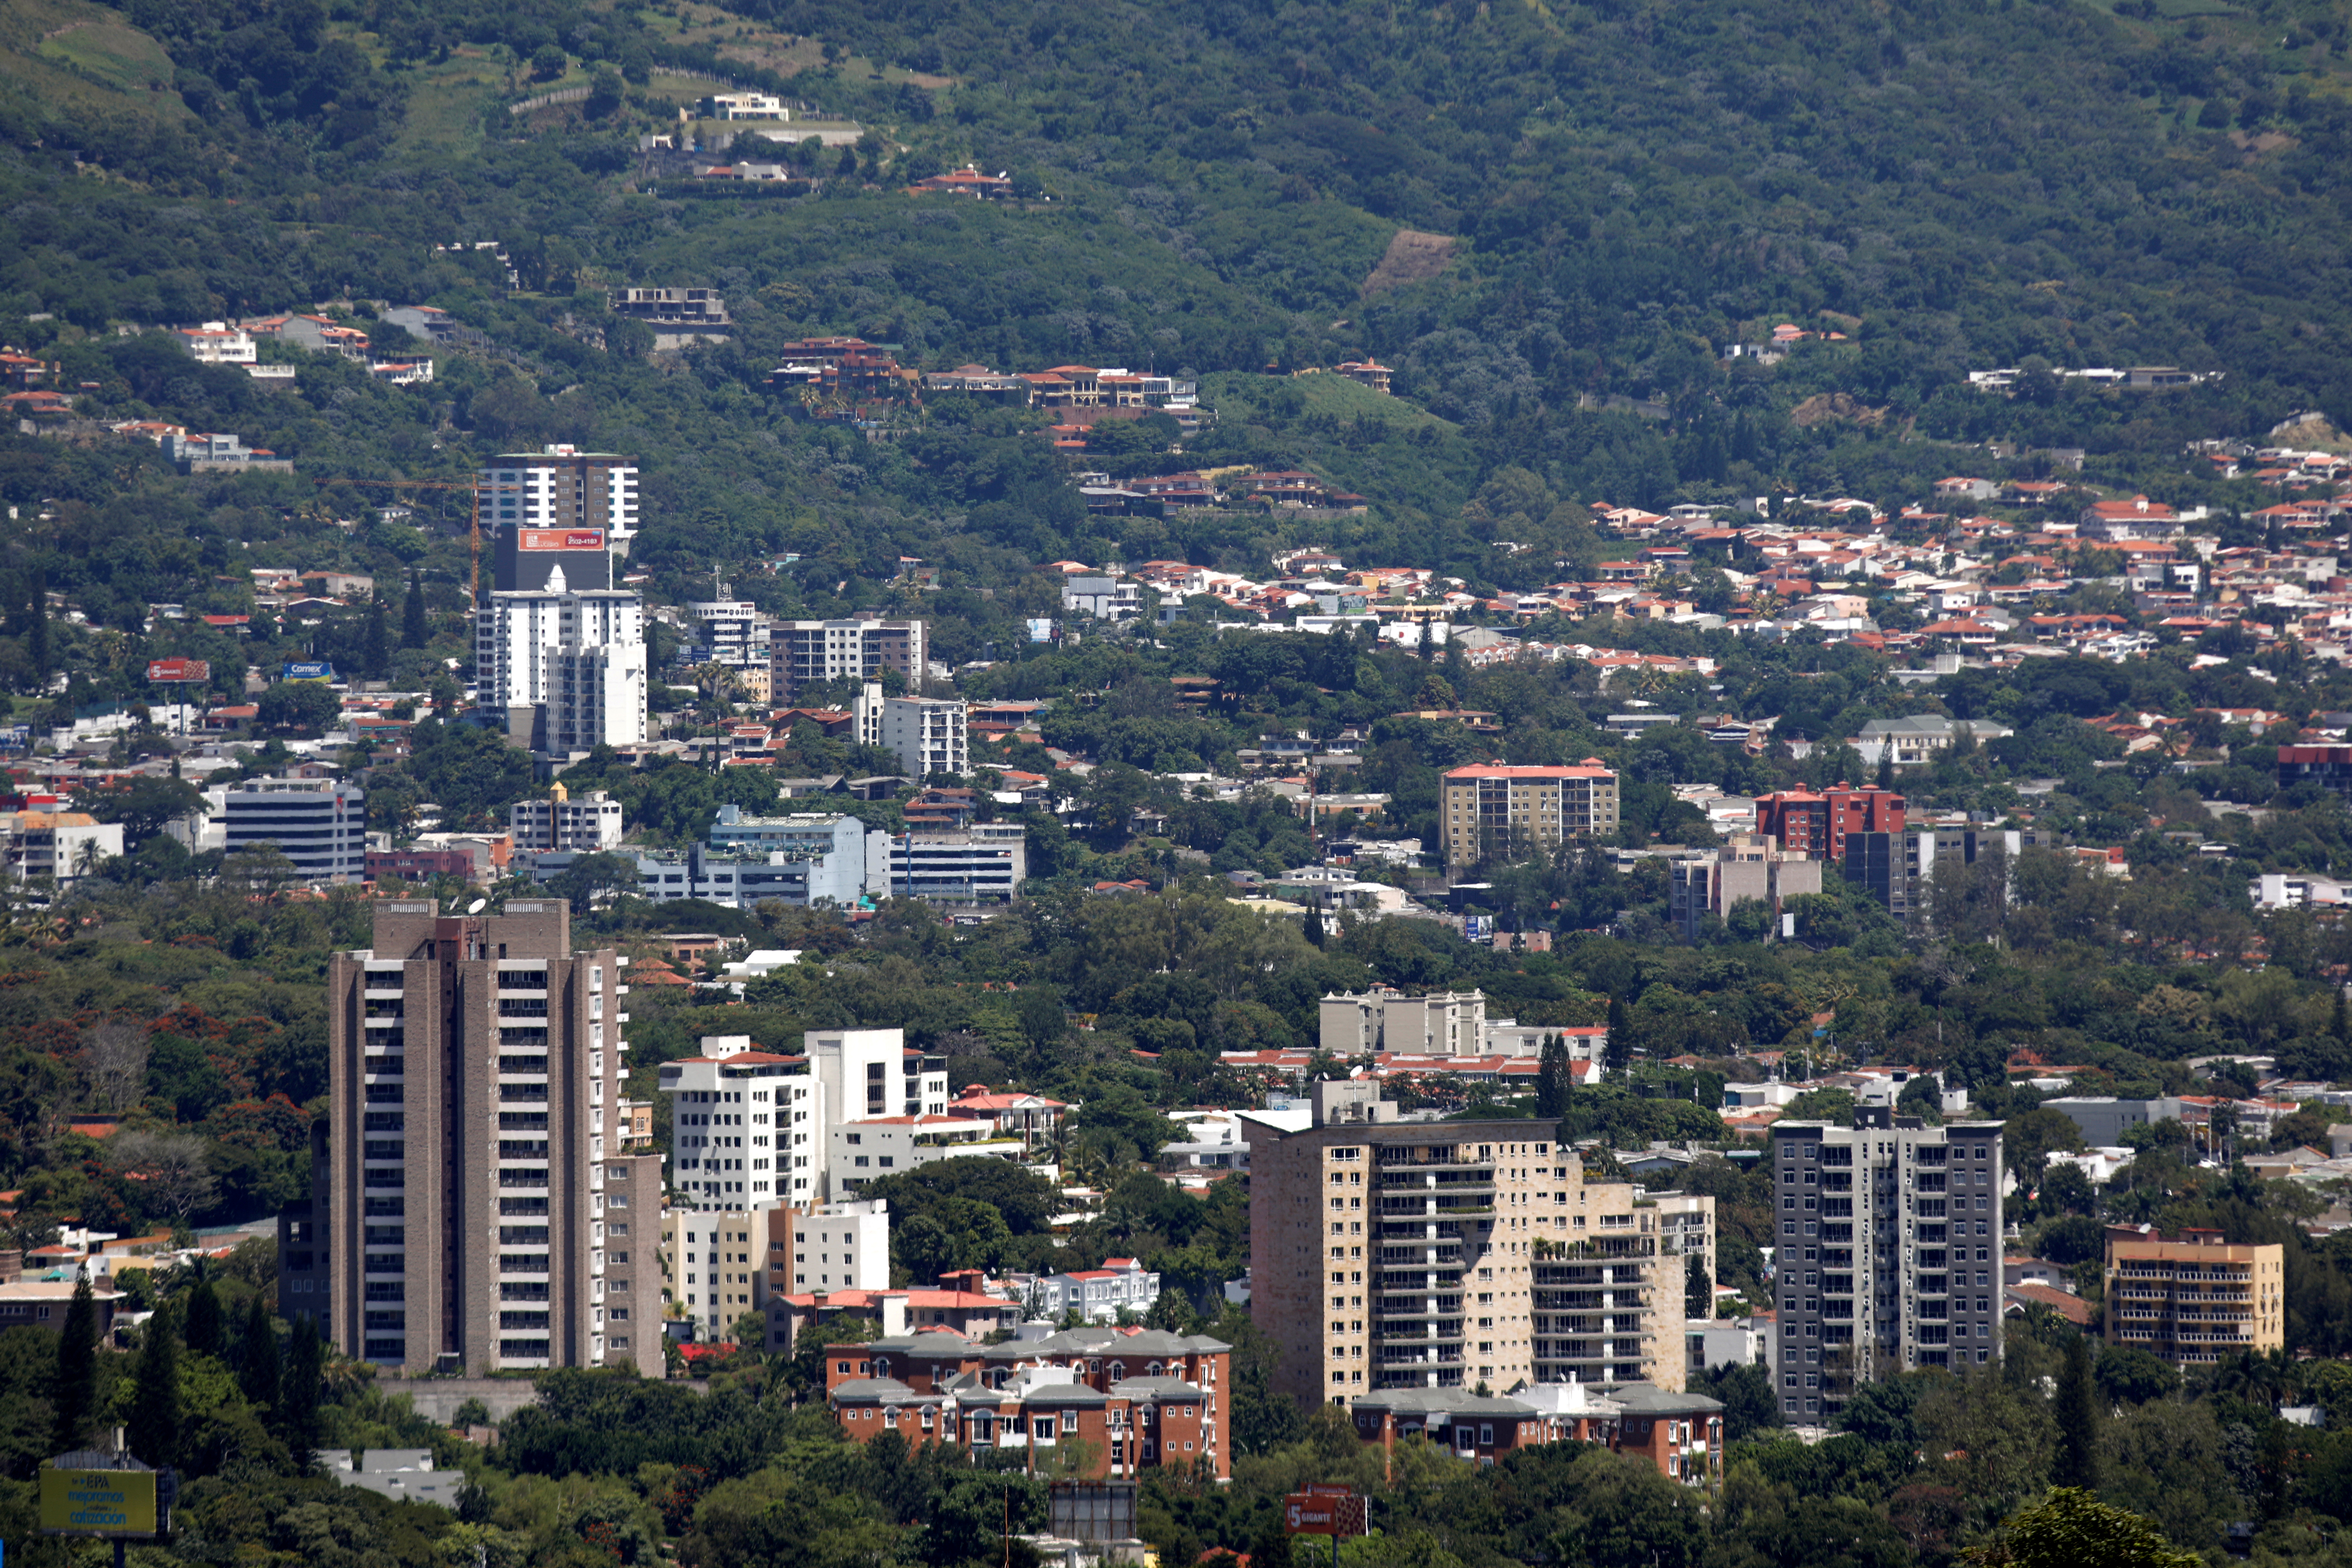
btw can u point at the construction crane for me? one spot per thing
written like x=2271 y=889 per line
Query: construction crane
x=475 y=486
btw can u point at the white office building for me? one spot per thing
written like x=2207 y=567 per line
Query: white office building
x=750 y=1126
x=321 y=824
x=734 y=633
x=747 y=1127
x=928 y=733
x=567 y=668
x=983 y=864
x=842 y=1247
x=586 y=825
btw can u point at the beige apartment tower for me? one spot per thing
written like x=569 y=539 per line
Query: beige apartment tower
x=1451 y=1253
x=2191 y=1299
x=1489 y=808
x=483 y=1206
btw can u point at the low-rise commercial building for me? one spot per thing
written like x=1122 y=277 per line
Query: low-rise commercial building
x=587 y=825
x=319 y=825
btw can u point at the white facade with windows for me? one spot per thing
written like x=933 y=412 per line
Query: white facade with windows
x=862 y=1151
x=563 y=486
x=581 y=656
x=585 y=825
x=928 y=733
x=1097 y=1295
x=747 y=1127
x=734 y=633
x=321 y=824
x=750 y=1127
x=842 y=1247
x=986 y=863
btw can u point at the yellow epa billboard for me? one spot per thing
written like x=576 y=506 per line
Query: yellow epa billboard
x=97 y=1502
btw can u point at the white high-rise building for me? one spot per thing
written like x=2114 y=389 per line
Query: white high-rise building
x=535 y=502
x=749 y=1126
x=568 y=667
x=928 y=733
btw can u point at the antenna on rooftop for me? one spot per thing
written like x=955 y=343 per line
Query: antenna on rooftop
x=478 y=906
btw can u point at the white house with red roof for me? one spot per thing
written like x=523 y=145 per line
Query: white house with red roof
x=1016 y=1112
x=1097 y=1295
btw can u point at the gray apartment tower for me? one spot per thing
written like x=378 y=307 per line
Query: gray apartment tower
x=477 y=1210
x=1888 y=1253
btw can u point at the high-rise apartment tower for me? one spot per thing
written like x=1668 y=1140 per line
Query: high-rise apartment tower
x=480 y=1212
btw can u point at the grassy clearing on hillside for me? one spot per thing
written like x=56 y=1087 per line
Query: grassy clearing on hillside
x=69 y=51
x=1315 y=392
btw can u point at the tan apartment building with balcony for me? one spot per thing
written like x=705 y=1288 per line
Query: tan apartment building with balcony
x=2193 y=1298
x=1450 y=1255
x=478 y=1198
x=1492 y=808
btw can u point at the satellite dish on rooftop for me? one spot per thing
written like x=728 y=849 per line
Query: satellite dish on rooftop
x=478 y=906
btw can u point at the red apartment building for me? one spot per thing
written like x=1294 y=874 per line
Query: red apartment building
x=1803 y=822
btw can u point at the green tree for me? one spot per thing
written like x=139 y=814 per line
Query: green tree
x=37 y=639
x=76 y=1395
x=144 y=805
x=2072 y=1529
x=375 y=641
x=257 y=1357
x=206 y=1333
x=1552 y=1078
x=297 y=1417
x=152 y=1430
x=1620 y=1048
x=308 y=706
x=414 y=631
x=2077 y=1464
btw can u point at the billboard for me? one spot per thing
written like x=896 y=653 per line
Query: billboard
x=97 y=1502
x=1322 y=1512
x=310 y=670
x=192 y=671
x=560 y=538
x=1041 y=631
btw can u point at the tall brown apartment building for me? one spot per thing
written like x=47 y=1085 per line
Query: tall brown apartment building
x=2193 y=1298
x=1450 y=1254
x=484 y=1205
x=1492 y=808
